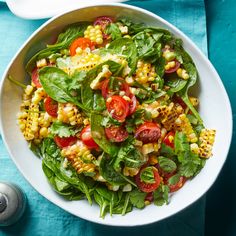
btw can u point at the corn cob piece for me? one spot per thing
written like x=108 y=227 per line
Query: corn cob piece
x=169 y=114
x=183 y=124
x=145 y=72
x=80 y=157
x=94 y=33
x=31 y=128
x=69 y=113
x=38 y=95
x=206 y=141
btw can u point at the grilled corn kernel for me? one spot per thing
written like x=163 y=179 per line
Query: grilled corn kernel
x=169 y=55
x=38 y=95
x=41 y=63
x=182 y=73
x=206 y=141
x=69 y=113
x=129 y=171
x=153 y=160
x=29 y=89
x=43 y=132
x=94 y=33
x=194 y=101
x=80 y=157
x=147 y=148
x=194 y=148
x=144 y=71
x=169 y=114
x=31 y=128
x=183 y=124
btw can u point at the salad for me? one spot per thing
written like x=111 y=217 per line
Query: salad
x=109 y=113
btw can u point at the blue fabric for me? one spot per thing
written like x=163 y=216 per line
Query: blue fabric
x=44 y=218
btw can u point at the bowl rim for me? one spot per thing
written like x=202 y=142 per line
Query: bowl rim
x=181 y=35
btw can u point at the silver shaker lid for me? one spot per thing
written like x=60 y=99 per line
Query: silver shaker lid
x=12 y=203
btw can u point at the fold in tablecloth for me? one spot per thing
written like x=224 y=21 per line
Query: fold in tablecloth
x=44 y=218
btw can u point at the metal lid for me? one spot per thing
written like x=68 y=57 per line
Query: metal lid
x=12 y=203
x=3 y=202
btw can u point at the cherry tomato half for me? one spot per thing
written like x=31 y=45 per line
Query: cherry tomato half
x=87 y=138
x=65 y=141
x=82 y=43
x=123 y=86
x=173 y=69
x=169 y=139
x=178 y=185
x=148 y=132
x=118 y=107
x=116 y=133
x=51 y=106
x=35 y=77
x=148 y=187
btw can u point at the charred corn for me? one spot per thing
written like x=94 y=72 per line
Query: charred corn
x=183 y=124
x=80 y=157
x=169 y=114
x=129 y=171
x=206 y=141
x=69 y=113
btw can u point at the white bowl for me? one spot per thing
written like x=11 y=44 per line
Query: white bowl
x=215 y=110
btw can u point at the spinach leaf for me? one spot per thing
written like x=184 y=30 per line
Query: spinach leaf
x=62 y=129
x=36 y=149
x=103 y=203
x=108 y=172
x=114 y=31
x=167 y=164
x=98 y=134
x=137 y=198
x=63 y=41
x=175 y=83
x=126 y=47
x=161 y=195
x=55 y=83
x=191 y=69
x=99 y=103
x=88 y=96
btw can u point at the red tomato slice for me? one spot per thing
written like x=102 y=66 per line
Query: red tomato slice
x=51 y=106
x=104 y=21
x=123 y=86
x=148 y=187
x=82 y=43
x=148 y=132
x=169 y=139
x=116 y=133
x=65 y=141
x=133 y=104
x=178 y=185
x=35 y=77
x=175 y=68
x=87 y=138
x=118 y=107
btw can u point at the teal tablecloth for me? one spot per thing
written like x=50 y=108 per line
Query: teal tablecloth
x=44 y=218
